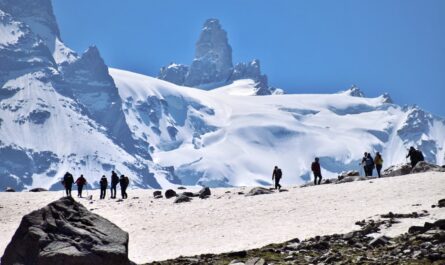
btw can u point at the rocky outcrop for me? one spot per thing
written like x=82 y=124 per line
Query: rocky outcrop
x=424 y=246
x=37 y=190
x=423 y=166
x=204 y=193
x=212 y=66
x=259 y=191
x=182 y=198
x=65 y=232
x=397 y=170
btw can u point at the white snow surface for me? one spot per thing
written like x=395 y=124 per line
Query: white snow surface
x=245 y=136
x=160 y=229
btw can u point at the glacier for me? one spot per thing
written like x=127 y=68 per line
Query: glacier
x=62 y=111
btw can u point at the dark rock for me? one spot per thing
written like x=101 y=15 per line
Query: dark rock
x=37 y=190
x=441 y=203
x=9 y=189
x=416 y=229
x=259 y=191
x=237 y=254
x=283 y=190
x=182 y=188
x=256 y=261
x=170 y=194
x=440 y=224
x=182 y=198
x=379 y=241
x=65 y=232
x=423 y=166
x=157 y=193
x=204 y=193
x=188 y=194
x=158 y=196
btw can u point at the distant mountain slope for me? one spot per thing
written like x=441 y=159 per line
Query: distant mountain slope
x=60 y=111
x=226 y=137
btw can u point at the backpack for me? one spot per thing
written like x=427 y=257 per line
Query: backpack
x=420 y=155
x=369 y=161
x=278 y=174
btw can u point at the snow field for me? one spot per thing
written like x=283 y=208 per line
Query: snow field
x=161 y=230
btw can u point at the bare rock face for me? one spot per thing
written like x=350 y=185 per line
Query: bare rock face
x=65 y=232
x=212 y=65
x=397 y=170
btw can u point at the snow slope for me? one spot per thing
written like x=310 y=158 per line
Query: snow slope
x=160 y=229
x=227 y=137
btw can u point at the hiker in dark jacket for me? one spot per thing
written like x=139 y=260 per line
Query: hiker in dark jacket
x=124 y=182
x=369 y=165
x=81 y=181
x=277 y=174
x=316 y=169
x=114 y=182
x=68 y=181
x=365 y=155
x=103 y=187
x=415 y=156
x=378 y=161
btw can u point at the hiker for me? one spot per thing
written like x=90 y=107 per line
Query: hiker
x=68 y=181
x=103 y=187
x=369 y=165
x=415 y=156
x=277 y=175
x=114 y=182
x=315 y=167
x=378 y=161
x=365 y=155
x=124 y=181
x=81 y=181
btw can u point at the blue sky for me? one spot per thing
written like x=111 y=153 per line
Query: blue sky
x=315 y=46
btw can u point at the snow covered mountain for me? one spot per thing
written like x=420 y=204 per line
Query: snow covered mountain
x=60 y=111
x=213 y=67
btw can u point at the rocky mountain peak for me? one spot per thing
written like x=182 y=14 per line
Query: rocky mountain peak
x=213 y=65
x=354 y=91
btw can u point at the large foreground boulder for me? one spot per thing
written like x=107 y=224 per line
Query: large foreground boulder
x=65 y=232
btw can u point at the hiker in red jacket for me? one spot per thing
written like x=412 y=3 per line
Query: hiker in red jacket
x=317 y=171
x=81 y=181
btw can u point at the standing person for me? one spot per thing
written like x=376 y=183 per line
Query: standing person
x=81 y=181
x=124 y=181
x=114 y=182
x=277 y=174
x=103 y=187
x=378 y=161
x=415 y=156
x=369 y=163
x=68 y=181
x=316 y=169
x=365 y=168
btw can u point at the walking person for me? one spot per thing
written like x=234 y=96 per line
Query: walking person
x=415 y=156
x=277 y=174
x=68 y=181
x=81 y=181
x=114 y=182
x=365 y=168
x=378 y=161
x=316 y=169
x=369 y=164
x=103 y=187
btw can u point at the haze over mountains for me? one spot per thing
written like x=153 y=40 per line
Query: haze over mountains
x=61 y=111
